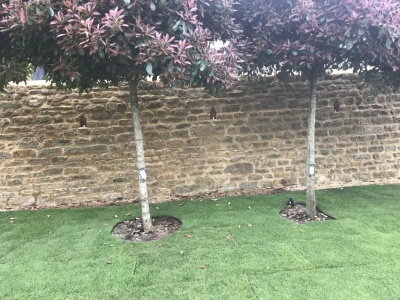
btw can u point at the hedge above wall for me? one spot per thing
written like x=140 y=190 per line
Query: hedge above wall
x=63 y=147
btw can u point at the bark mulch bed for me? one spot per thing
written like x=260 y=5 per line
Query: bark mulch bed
x=132 y=230
x=296 y=212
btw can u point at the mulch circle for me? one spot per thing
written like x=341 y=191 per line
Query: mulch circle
x=297 y=214
x=132 y=230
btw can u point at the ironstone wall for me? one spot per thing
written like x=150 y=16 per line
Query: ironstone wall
x=258 y=139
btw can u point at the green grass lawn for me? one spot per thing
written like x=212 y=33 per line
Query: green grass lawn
x=70 y=253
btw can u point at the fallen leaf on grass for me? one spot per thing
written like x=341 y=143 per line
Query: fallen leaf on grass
x=105 y=225
x=12 y=219
x=189 y=236
x=128 y=214
x=250 y=225
x=180 y=204
x=229 y=237
x=202 y=267
x=108 y=262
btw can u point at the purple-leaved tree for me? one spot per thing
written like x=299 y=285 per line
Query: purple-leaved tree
x=14 y=66
x=81 y=44
x=311 y=38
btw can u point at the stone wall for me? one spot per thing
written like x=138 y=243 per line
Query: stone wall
x=258 y=139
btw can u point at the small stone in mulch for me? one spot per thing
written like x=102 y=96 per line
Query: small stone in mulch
x=297 y=214
x=132 y=230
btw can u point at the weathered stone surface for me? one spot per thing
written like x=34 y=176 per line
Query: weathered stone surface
x=257 y=140
x=207 y=130
x=25 y=153
x=240 y=168
x=50 y=152
x=22 y=201
x=28 y=142
x=5 y=122
x=5 y=155
x=204 y=184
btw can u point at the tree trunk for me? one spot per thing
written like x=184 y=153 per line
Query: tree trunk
x=310 y=202
x=144 y=198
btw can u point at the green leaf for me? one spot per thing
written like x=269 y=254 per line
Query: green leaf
x=127 y=2
x=294 y=52
x=149 y=68
x=161 y=3
x=203 y=66
x=349 y=44
x=152 y=6
x=269 y=51
x=170 y=67
x=175 y=27
x=389 y=43
x=184 y=27
x=361 y=32
x=51 y=12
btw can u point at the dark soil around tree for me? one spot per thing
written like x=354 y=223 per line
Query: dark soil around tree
x=132 y=230
x=297 y=214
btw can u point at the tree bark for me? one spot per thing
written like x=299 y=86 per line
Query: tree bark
x=311 y=209
x=144 y=198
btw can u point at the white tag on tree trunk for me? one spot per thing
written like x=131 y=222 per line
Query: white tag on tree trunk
x=311 y=170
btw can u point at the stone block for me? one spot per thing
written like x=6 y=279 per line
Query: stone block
x=59 y=159
x=5 y=122
x=183 y=190
x=73 y=151
x=100 y=116
x=23 y=153
x=53 y=170
x=204 y=184
x=207 y=130
x=95 y=149
x=28 y=142
x=240 y=168
x=80 y=190
x=361 y=156
x=5 y=155
x=21 y=201
x=50 y=152
x=10 y=104
x=62 y=200
x=120 y=180
x=112 y=196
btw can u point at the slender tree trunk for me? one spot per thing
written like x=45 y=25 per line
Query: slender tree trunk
x=310 y=202
x=144 y=198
